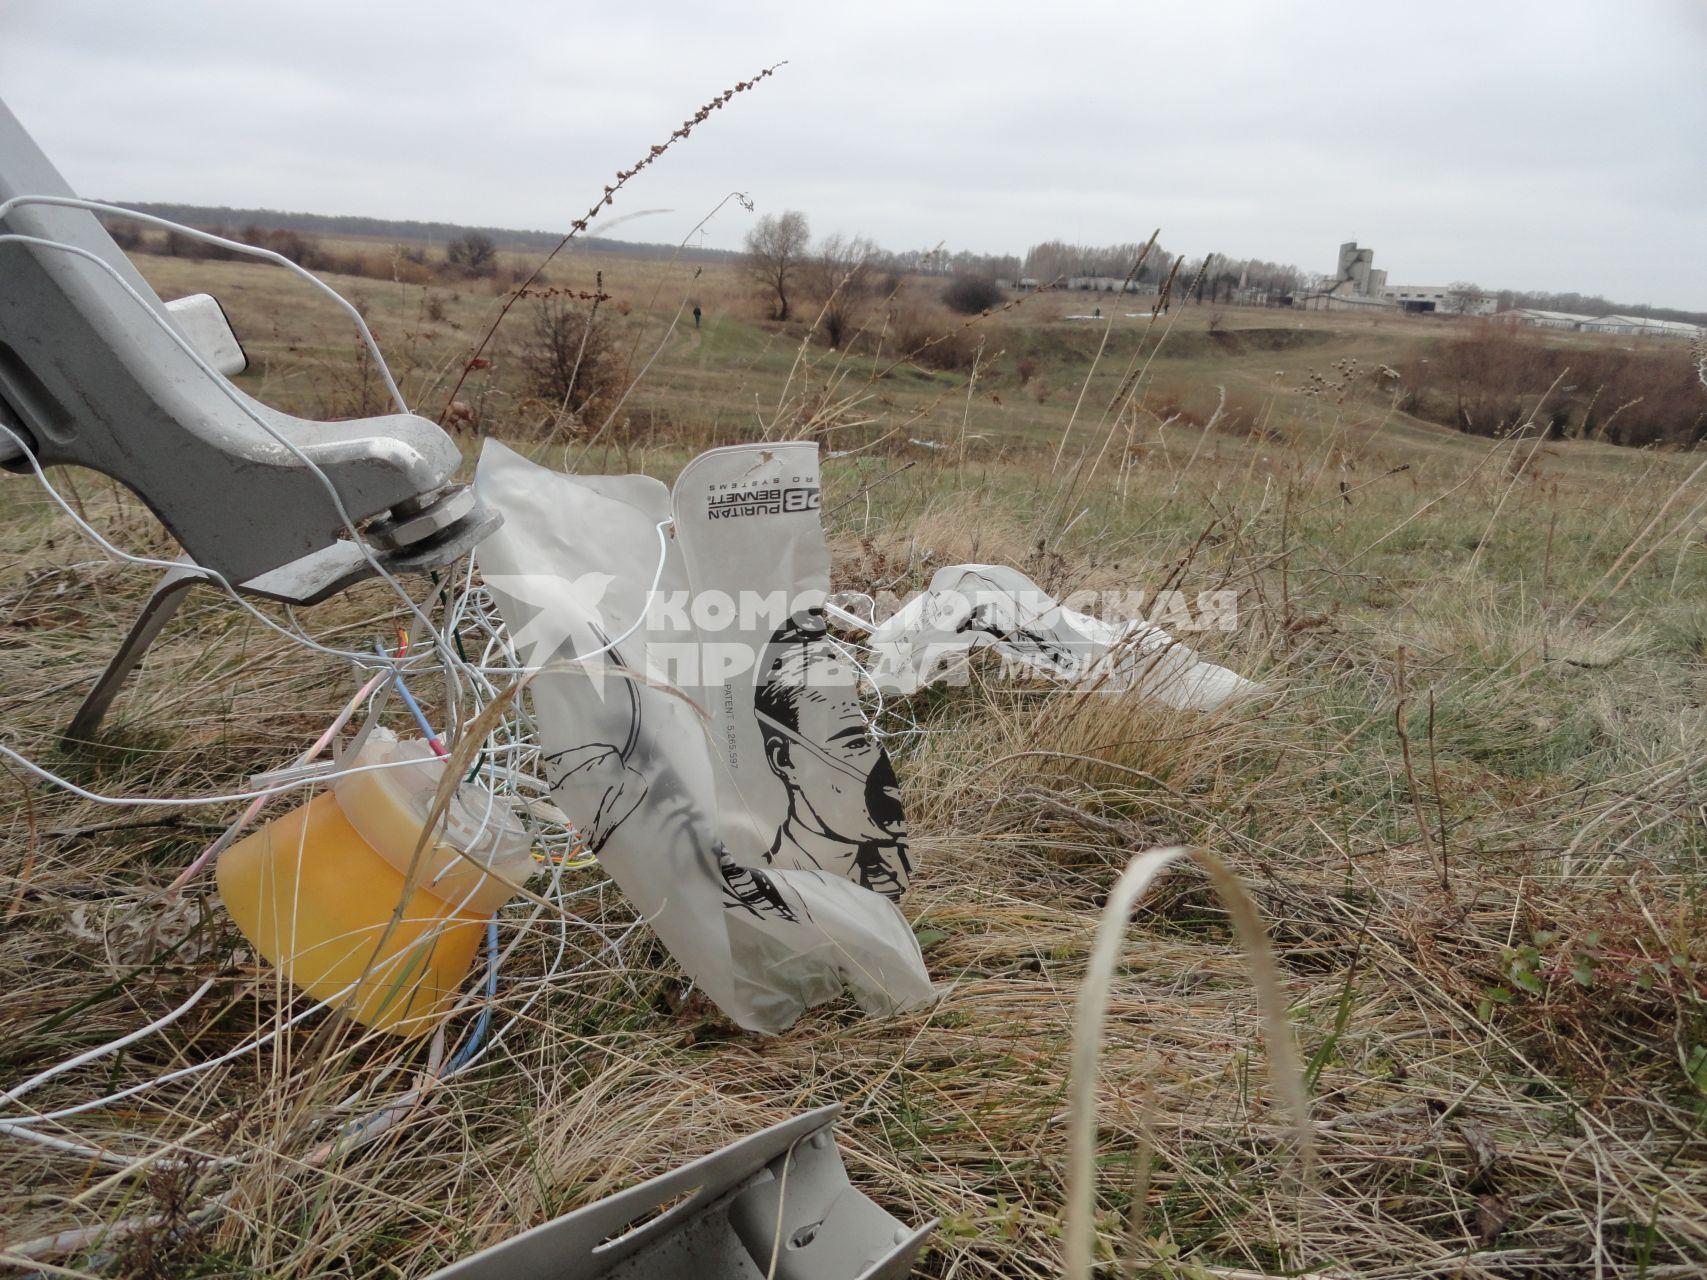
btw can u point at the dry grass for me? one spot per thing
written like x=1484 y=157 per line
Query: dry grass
x=1468 y=811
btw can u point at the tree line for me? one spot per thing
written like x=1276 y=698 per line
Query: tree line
x=470 y=256
x=227 y=221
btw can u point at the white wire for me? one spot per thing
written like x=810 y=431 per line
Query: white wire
x=6 y=1126
x=150 y=562
x=522 y=748
x=373 y=970
x=24 y=1128
x=225 y=387
x=194 y=802
x=846 y=618
x=380 y=1118
x=474 y=606
x=639 y=621
x=846 y=650
x=13 y=1094
x=449 y=662
x=511 y=774
x=519 y=752
x=77 y=1149
x=254 y=251
x=381 y=1115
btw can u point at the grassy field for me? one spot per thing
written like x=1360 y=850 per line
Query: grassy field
x=1469 y=807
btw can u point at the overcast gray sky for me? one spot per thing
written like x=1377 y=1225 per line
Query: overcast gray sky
x=1553 y=144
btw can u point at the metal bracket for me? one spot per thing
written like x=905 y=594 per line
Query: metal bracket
x=157 y=611
x=776 y=1204
x=303 y=582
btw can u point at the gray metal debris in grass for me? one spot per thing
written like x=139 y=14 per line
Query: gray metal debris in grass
x=775 y=1205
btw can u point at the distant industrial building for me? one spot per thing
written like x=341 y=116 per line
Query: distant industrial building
x=1357 y=270
x=1443 y=298
x=1357 y=285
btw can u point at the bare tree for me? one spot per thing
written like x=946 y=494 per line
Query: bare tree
x=776 y=255
x=1463 y=297
x=842 y=277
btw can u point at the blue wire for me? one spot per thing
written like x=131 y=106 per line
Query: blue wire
x=460 y=1058
x=408 y=698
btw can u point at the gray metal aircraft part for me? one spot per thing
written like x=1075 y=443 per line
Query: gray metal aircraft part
x=206 y=325
x=92 y=373
x=777 y=1203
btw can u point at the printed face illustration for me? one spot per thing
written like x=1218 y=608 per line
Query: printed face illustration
x=840 y=783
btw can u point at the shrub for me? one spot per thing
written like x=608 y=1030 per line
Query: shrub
x=473 y=254
x=1489 y=378
x=929 y=337
x=300 y=249
x=408 y=271
x=303 y=250
x=177 y=245
x=570 y=360
x=125 y=233
x=970 y=295
x=356 y=264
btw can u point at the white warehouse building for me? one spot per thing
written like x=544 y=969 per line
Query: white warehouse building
x=1633 y=326
x=1439 y=297
x=1641 y=326
x=1544 y=319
